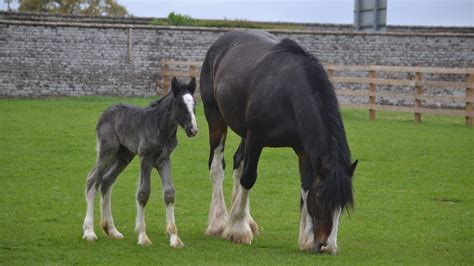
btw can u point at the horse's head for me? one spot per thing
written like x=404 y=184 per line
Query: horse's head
x=329 y=193
x=184 y=105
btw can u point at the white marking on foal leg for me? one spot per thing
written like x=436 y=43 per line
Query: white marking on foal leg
x=171 y=227
x=331 y=246
x=306 y=236
x=218 y=211
x=238 y=228
x=107 y=220
x=140 y=227
x=189 y=101
x=88 y=226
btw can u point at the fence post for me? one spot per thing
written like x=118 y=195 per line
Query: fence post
x=372 y=94
x=192 y=71
x=130 y=45
x=418 y=93
x=330 y=72
x=469 y=99
x=166 y=78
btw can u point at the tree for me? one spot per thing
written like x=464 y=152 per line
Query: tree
x=83 y=7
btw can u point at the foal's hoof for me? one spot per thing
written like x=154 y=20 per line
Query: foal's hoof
x=89 y=236
x=175 y=242
x=111 y=231
x=143 y=240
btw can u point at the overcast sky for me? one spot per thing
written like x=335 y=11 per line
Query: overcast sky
x=399 y=12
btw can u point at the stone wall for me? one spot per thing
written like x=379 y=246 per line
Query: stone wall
x=43 y=56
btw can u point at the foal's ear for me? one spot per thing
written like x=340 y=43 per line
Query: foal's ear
x=192 y=85
x=352 y=168
x=175 y=86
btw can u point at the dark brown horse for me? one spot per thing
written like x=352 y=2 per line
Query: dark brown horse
x=273 y=93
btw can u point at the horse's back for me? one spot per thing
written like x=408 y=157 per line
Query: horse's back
x=226 y=72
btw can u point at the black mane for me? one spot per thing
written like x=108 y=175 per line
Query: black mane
x=336 y=189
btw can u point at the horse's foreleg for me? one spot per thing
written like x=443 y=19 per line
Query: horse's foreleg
x=306 y=233
x=144 y=189
x=218 y=211
x=237 y=173
x=164 y=168
x=239 y=225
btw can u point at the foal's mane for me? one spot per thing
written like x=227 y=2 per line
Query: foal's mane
x=336 y=189
x=159 y=102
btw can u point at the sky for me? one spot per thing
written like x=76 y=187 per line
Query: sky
x=399 y=12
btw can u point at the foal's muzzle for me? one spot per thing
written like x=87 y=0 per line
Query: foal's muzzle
x=191 y=132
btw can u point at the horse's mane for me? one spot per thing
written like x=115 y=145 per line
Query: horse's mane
x=158 y=102
x=336 y=189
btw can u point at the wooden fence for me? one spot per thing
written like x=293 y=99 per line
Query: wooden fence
x=375 y=75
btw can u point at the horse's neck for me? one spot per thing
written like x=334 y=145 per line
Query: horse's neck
x=166 y=119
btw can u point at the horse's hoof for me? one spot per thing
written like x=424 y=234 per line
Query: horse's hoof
x=214 y=231
x=254 y=227
x=143 y=240
x=114 y=234
x=175 y=242
x=239 y=233
x=216 y=227
x=111 y=231
x=89 y=236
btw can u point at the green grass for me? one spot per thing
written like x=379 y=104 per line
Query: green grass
x=413 y=193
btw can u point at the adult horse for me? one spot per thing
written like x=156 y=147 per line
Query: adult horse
x=274 y=93
x=124 y=131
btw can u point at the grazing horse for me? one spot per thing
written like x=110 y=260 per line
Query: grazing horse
x=273 y=93
x=124 y=131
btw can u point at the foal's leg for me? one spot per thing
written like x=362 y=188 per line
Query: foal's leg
x=144 y=188
x=105 y=159
x=218 y=211
x=164 y=168
x=124 y=157
x=91 y=190
x=237 y=173
x=238 y=228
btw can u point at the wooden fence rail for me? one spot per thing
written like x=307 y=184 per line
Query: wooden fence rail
x=375 y=78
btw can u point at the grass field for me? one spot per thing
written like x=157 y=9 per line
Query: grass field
x=413 y=192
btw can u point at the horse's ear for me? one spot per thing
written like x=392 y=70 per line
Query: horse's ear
x=352 y=168
x=175 y=86
x=192 y=85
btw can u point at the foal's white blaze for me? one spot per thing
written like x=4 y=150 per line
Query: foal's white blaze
x=331 y=246
x=189 y=101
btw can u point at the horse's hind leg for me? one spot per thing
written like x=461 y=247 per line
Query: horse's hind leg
x=218 y=211
x=91 y=190
x=237 y=173
x=105 y=159
x=124 y=157
x=164 y=168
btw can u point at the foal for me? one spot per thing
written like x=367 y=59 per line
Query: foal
x=124 y=131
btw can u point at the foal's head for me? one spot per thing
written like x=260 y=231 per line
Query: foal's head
x=184 y=105
x=329 y=193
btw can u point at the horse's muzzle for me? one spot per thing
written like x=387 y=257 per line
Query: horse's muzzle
x=191 y=132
